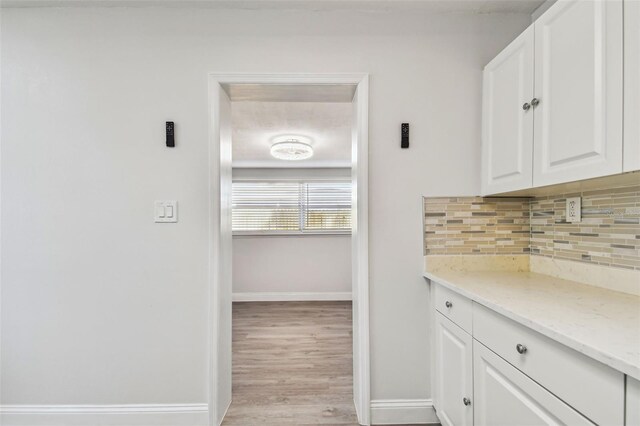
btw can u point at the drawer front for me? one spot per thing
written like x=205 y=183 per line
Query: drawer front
x=590 y=387
x=454 y=306
x=505 y=396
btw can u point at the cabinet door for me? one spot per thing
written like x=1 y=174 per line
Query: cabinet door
x=632 y=415
x=505 y=396
x=578 y=82
x=631 y=85
x=453 y=373
x=507 y=118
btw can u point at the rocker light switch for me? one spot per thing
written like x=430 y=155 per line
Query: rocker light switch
x=166 y=211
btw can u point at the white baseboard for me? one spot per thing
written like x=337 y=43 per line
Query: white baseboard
x=290 y=296
x=403 y=411
x=383 y=412
x=105 y=415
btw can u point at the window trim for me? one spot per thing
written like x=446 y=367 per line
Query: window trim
x=301 y=232
x=292 y=233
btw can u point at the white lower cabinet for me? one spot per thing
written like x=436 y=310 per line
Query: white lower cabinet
x=501 y=373
x=558 y=368
x=453 y=373
x=632 y=415
x=503 y=396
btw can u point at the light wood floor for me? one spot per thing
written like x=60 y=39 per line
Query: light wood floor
x=292 y=364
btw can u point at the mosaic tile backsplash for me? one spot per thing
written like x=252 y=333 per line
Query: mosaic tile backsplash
x=609 y=233
x=476 y=225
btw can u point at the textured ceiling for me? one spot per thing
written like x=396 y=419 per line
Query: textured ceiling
x=326 y=124
x=291 y=92
x=436 y=6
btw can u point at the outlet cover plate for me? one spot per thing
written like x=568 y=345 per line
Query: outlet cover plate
x=574 y=209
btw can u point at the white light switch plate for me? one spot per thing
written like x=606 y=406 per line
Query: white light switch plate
x=165 y=211
x=574 y=209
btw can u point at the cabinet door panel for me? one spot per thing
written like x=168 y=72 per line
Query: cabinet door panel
x=631 y=85
x=507 y=128
x=505 y=397
x=632 y=415
x=578 y=81
x=453 y=373
x=560 y=369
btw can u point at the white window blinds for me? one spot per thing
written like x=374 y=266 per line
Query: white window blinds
x=291 y=207
x=327 y=206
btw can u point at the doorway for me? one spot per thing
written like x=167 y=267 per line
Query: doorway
x=223 y=89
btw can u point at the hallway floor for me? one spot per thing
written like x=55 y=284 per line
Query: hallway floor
x=292 y=364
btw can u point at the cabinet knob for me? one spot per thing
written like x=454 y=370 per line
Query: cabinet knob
x=466 y=401
x=535 y=102
x=521 y=348
x=448 y=304
x=526 y=106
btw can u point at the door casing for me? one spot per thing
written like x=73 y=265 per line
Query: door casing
x=220 y=289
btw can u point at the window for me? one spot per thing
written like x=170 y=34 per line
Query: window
x=291 y=207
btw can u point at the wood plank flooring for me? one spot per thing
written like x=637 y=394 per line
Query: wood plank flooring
x=292 y=364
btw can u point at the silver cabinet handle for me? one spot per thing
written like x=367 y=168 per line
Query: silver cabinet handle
x=526 y=106
x=448 y=304
x=535 y=102
x=521 y=348
x=466 y=401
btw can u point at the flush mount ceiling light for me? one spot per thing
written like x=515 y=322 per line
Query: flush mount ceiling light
x=292 y=150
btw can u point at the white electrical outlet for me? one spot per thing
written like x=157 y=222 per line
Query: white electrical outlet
x=574 y=209
x=166 y=211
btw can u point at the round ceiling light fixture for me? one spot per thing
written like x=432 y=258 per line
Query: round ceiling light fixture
x=292 y=150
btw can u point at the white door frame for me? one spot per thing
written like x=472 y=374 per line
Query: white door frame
x=219 y=376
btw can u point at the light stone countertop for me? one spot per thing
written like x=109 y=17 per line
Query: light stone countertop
x=600 y=323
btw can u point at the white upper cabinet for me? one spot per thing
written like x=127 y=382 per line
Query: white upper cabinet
x=631 y=85
x=507 y=122
x=553 y=109
x=453 y=381
x=578 y=83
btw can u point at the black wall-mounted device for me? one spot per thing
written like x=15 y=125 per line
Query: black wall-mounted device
x=170 y=138
x=404 y=133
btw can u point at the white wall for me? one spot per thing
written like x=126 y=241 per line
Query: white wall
x=99 y=304
x=292 y=264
